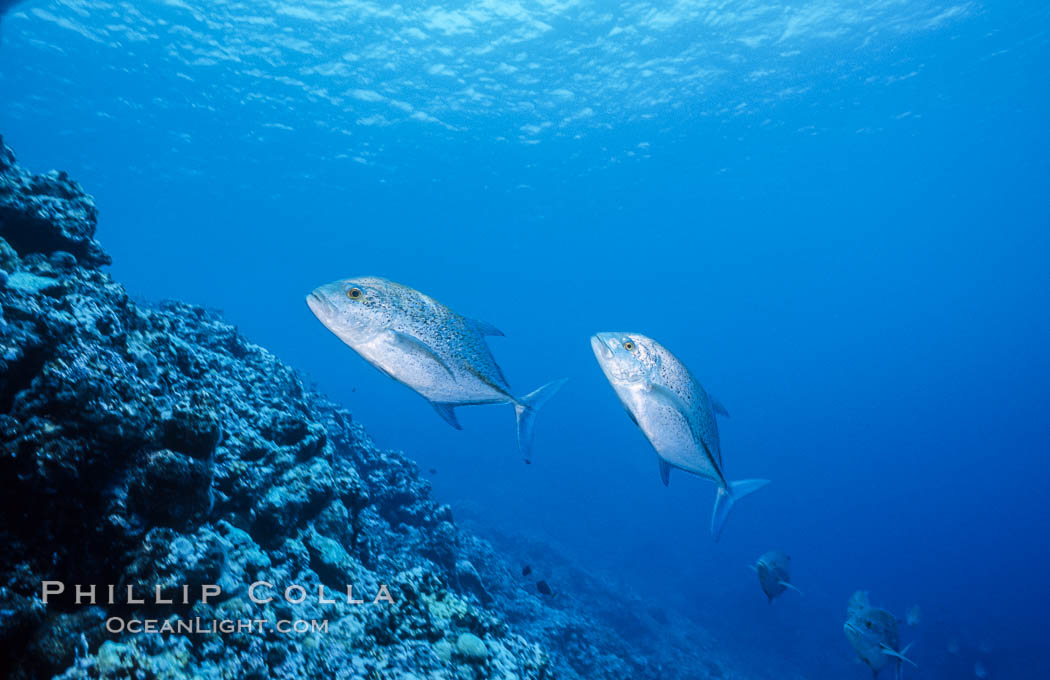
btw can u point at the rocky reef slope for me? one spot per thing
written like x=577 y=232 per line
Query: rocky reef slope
x=153 y=446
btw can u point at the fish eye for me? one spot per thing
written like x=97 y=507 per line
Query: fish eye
x=629 y=346
x=354 y=293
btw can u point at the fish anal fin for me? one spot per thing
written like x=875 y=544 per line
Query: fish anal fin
x=665 y=471
x=413 y=345
x=446 y=411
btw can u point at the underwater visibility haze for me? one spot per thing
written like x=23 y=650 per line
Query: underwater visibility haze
x=834 y=215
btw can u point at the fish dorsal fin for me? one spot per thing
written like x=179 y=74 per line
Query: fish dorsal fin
x=446 y=411
x=485 y=328
x=717 y=407
x=414 y=346
x=665 y=471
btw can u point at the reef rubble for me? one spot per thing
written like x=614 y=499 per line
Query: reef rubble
x=152 y=446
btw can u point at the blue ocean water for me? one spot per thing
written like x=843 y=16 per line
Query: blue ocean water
x=834 y=212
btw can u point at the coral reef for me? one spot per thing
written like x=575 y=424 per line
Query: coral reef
x=592 y=626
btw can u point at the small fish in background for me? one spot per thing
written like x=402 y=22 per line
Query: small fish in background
x=953 y=646
x=673 y=410
x=874 y=635
x=432 y=471
x=424 y=345
x=526 y=570
x=544 y=589
x=774 y=574
x=979 y=670
x=914 y=616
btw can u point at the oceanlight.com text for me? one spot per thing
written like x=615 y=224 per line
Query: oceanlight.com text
x=202 y=626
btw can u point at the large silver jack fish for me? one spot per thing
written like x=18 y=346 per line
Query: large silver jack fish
x=673 y=410
x=423 y=344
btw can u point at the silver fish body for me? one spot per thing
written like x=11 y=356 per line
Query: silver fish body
x=673 y=410
x=423 y=344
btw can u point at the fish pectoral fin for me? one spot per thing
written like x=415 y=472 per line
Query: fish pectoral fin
x=446 y=411
x=888 y=651
x=717 y=407
x=679 y=406
x=670 y=398
x=665 y=471
x=414 y=346
x=753 y=568
x=485 y=328
x=631 y=416
x=792 y=587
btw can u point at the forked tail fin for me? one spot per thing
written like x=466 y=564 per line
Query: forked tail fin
x=525 y=410
x=727 y=496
